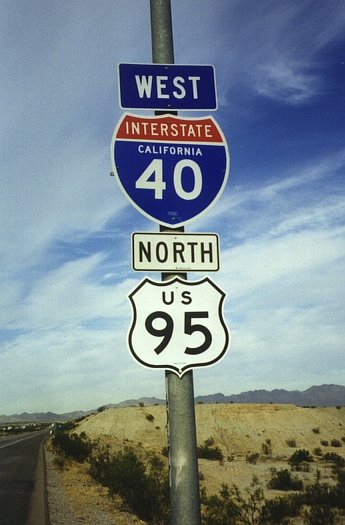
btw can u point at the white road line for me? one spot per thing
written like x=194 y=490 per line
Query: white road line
x=18 y=441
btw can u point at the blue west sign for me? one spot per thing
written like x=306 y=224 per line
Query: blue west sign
x=167 y=87
x=171 y=169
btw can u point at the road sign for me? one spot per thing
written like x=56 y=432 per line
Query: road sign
x=167 y=87
x=177 y=325
x=175 y=252
x=171 y=169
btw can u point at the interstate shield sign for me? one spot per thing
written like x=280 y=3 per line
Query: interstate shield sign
x=171 y=169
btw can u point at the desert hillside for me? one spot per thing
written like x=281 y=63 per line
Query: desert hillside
x=239 y=430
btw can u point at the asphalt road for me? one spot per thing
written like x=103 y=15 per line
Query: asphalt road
x=19 y=459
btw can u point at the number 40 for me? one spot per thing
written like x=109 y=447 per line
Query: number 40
x=158 y=185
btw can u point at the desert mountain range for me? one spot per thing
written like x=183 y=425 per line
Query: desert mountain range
x=323 y=395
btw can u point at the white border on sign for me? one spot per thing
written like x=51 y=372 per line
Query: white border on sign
x=167 y=65
x=190 y=366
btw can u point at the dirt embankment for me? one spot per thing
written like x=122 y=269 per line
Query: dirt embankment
x=273 y=431
x=237 y=429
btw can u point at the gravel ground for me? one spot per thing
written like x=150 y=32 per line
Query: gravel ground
x=60 y=510
x=73 y=499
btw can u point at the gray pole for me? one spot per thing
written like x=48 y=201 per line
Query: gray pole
x=184 y=476
x=183 y=462
x=161 y=32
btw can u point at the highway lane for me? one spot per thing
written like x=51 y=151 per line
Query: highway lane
x=18 y=460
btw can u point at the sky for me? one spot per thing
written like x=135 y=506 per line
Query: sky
x=65 y=256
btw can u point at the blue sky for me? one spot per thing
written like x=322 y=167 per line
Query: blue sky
x=65 y=233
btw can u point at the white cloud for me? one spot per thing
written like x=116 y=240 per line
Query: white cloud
x=68 y=296
x=62 y=368
x=282 y=261
x=286 y=82
x=274 y=52
x=58 y=116
x=307 y=196
x=255 y=263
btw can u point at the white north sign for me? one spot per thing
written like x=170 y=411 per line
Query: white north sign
x=175 y=252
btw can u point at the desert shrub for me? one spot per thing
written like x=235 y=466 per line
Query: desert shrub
x=143 y=489
x=76 y=446
x=334 y=458
x=68 y=425
x=299 y=457
x=230 y=507
x=220 y=509
x=291 y=443
x=277 y=511
x=266 y=447
x=316 y=430
x=324 y=442
x=252 y=458
x=59 y=462
x=317 y=451
x=340 y=489
x=150 y=417
x=79 y=419
x=208 y=451
x=319 y=494
x=324 y=504
x=284 y=480
x=250 y=506
x=327 y=495
x=336 y=443
x=320 y=515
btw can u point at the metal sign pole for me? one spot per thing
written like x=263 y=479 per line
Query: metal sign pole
x=183 y=463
